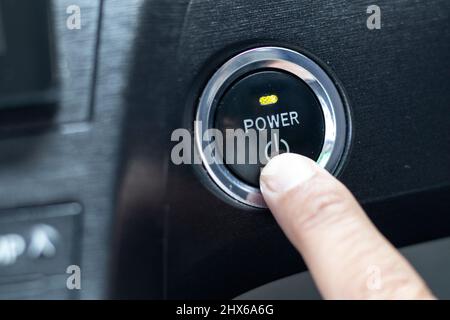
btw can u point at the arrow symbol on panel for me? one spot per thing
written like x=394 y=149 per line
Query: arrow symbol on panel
x=42 y=241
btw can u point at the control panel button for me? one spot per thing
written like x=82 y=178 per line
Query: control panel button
x=37 y=241
x=268 y=100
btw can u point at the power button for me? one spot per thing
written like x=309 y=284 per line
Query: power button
x=276 y=100
x=268 y=100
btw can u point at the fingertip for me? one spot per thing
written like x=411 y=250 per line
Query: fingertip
x=284 y=172
x=338 y=242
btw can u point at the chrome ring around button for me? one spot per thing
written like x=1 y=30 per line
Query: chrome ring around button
x=336 y=119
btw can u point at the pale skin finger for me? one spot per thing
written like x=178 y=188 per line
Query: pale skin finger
x=347 y=256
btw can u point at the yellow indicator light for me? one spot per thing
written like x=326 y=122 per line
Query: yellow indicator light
x=268 y=100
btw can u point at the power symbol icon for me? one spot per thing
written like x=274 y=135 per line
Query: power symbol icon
x=271 y=152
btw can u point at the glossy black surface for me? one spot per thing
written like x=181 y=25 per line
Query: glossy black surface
x=296 y=114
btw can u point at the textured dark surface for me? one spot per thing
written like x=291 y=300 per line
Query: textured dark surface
x=175 y=235
x=396 y=80
x=74 y=157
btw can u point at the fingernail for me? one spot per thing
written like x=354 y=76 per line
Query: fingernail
x=285 y=172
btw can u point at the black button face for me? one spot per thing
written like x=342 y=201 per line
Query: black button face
x=268 y=100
